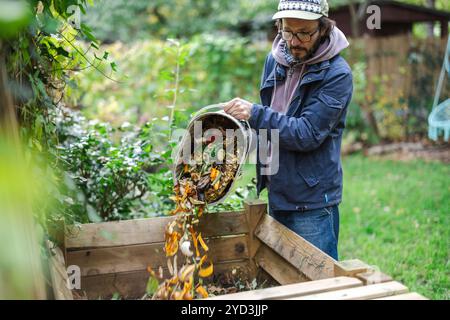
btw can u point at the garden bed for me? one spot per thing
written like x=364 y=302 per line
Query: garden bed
x=246 y=245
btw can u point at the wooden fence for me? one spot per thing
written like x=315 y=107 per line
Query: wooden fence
x=398 y=81
x=403 y=63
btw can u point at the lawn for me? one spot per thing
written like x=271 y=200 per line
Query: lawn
x=395 y=216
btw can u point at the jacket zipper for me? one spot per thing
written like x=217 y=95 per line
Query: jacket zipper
x=290 y=73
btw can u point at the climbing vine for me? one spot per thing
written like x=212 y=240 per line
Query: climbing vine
x=40 y=52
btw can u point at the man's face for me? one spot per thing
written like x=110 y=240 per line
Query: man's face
x=302 y=50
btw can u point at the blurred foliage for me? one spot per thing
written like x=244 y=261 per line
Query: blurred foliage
x=358 y=126
x=218 y=69
x=116 y=19
x=390 y=112
x=14 y=16
x=21 y=190
x=176 y=83
x=40 y=54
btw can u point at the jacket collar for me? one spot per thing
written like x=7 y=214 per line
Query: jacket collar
x=313 y=73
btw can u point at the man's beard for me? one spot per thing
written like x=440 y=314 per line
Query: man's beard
x=309 y=53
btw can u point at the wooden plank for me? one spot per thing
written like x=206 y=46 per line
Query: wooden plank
x=138 y=257
x=278 y=268
x=132 y=285
x=58 y=274
x=405 y=296
x=294 y=290
x=373 y=277
x=350 y=268
x=254 y=211
x=362 y=293
x=304 y=256
x=139 y=231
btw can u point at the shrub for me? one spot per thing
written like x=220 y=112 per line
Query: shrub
x=117 y=170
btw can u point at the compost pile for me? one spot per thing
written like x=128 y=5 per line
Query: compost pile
x=199 y=182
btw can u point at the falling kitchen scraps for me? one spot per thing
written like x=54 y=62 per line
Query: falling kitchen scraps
x=202 y=180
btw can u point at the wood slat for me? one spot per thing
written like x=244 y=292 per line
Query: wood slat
x=140 y=231
x=405 y=296
x=277 y=267
x=350 y=268
x=138 y=257
x=254 y=211
x=362 y=293
x=304 y=256
x=294 y=290
x=58 y=274
x=373 y=277
x=132 y=285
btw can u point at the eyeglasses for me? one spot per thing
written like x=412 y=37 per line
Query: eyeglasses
x=301 y=36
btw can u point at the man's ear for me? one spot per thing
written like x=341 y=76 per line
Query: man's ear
x=279 y=25
x=322 y=32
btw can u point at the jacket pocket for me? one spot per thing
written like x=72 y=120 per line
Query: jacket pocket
x=305 y=169
x=328 y=115
x=329 y=101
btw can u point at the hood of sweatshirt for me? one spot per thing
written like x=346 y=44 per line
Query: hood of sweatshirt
x=284 y=93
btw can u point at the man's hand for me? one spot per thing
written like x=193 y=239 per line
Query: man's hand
x=239 y=108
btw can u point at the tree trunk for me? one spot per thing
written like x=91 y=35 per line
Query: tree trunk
x=354 y=20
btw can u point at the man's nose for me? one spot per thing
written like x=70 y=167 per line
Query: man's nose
x=295 y=42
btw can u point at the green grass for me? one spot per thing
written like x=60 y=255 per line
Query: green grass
x=395 y=216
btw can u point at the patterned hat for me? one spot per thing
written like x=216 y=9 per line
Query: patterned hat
x=302 y=9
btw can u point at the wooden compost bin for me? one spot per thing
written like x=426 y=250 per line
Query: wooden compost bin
x=113 y=258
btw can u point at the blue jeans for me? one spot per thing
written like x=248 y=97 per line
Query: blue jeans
x=319 y=227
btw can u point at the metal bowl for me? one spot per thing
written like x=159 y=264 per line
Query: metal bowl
x=206 y=115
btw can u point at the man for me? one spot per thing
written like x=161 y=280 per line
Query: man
x=305 y=91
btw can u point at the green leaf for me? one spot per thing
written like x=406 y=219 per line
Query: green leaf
x=116 y=296
x=83 y=10
x=166 y=75
x=62 y=52
x=88 y=33
x=51 y=25
x=152 y=286
x=92 y=214
x=94 y=45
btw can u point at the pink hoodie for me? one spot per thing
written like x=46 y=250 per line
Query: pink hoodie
x=284 y=93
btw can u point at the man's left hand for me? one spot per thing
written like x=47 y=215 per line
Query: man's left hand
x=239 y=108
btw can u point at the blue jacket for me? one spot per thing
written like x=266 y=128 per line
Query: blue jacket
x=310 y=135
